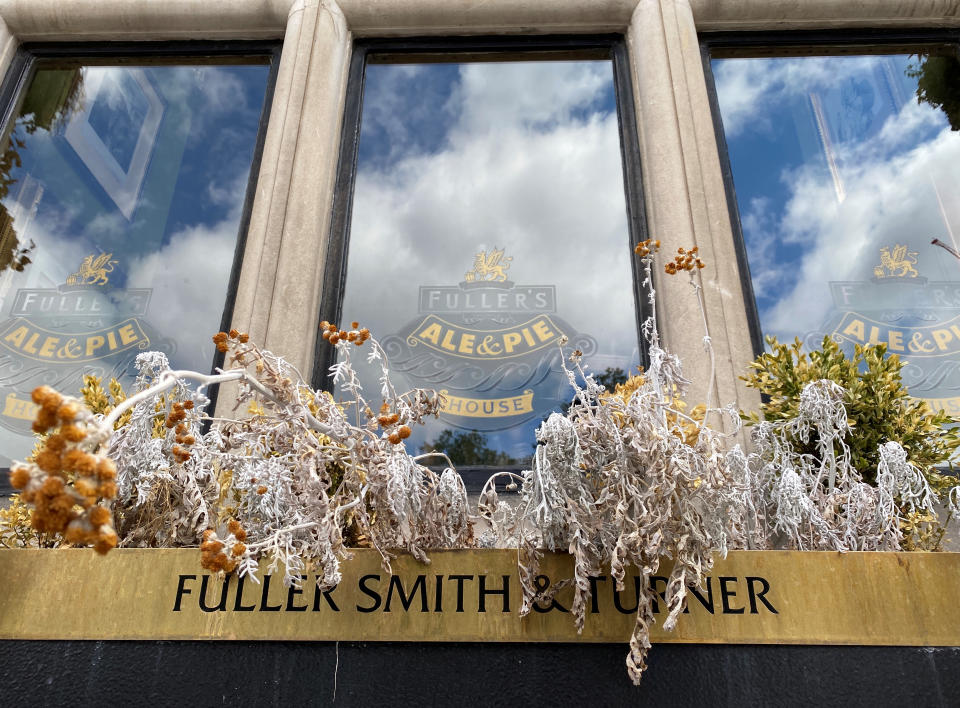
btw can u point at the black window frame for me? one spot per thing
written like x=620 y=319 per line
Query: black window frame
x=464 y=49
x=25 y=62
x=796 y=43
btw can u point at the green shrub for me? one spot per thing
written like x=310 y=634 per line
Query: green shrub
x=877 y=403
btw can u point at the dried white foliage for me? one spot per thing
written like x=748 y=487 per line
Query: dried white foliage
x=625 y=481
x=622 y=479
x=161 y=501
x=819 y=501
x=303 y=469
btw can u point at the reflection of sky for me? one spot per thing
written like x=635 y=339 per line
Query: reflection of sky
x=833 y=160
x=117 y=114
x=455 y=159
x=180 y=239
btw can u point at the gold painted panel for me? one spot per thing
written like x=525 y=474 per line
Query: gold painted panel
x=773 y=597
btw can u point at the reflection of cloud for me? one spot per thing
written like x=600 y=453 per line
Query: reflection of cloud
x=552 y=196
x=532 y=165
x=887 y=201
x=862 y=166
x=747 y=87
x=189 y=278
x=492 y=97
x=759 y=228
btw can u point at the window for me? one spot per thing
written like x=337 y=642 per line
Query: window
x=845 y=167
x=125 y=182
x=488 y=226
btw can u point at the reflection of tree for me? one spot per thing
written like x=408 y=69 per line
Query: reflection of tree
x=938 y=83
x=611 y=377
x=608 y=378
x=53 y=95
x=468 y=448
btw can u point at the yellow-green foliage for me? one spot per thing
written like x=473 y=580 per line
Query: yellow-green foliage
x=15 y=528
x=99 y=402
x=877 y=403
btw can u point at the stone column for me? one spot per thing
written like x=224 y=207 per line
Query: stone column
x=278 y=298
x=8 y=47
x=686 y=201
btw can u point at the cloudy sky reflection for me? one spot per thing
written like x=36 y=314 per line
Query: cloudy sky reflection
x=143 y=171
x=835 y=160
x=455 y=159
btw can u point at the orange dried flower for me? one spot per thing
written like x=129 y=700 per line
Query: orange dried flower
x=237 y=530
x=99 y=516
x=71 y=458
x=73 y=433
x=68 y=411
x=106 y=470
x=394 y=438
x=46 y=396
x=86 y=465
x=107 y=541
x=76 y=532
x=46 y=419
x=52 y=486
x=48 y=461
x=404 y=432
x=211 y=545
x=56 y=443
x=19 y=477
x=85 y=488
x=261 y=489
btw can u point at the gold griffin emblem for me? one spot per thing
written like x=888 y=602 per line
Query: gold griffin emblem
x=491 y=267
x=896 y=262
x=93 y=270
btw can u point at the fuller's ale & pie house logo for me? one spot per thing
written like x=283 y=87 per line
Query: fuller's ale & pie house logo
x=490 y=345
x=55 y=336
x=916 y=318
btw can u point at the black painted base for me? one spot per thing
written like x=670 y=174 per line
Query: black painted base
x=363 y=674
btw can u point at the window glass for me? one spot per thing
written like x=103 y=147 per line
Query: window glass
x=121 y=193
x=847 y=181
x=489 y=221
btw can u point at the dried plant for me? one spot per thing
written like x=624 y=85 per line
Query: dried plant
x=301 y=469
x=833 y=428
x=819 y=500
x=625 y=479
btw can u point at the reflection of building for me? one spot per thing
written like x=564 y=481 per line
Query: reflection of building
x=280 y=293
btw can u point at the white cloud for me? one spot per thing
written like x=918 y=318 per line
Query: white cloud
x=746 y=87
x=530 y=165
x=188 y=278
x=888 y=201
x=494 y=97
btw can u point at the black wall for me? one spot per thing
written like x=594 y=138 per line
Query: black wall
x=400 y=674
